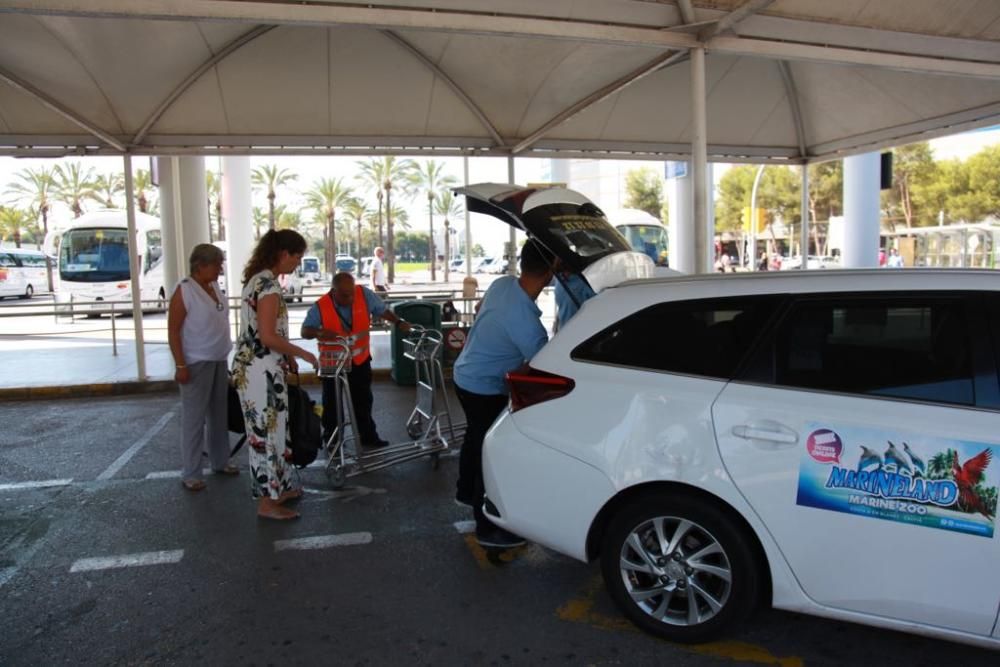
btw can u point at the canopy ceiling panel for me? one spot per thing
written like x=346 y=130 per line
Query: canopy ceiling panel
x=786 y=79
x=952 y=18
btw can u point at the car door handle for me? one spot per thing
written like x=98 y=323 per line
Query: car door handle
x=771 y=433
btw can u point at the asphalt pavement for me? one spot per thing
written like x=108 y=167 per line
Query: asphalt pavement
x=106 y=560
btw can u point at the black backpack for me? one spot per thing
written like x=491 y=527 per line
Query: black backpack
x=305 y=430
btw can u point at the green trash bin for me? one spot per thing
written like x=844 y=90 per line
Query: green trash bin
x=425 y=313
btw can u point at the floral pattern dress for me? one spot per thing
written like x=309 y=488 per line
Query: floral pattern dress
x=259 y=376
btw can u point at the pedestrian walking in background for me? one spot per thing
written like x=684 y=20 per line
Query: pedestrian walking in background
x=379 y=283
x=507 y=333
x=198 y=335
x=263 y=355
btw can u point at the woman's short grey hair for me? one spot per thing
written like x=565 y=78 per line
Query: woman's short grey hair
x=205 y=254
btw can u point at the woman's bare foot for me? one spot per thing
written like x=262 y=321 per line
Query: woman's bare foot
x=289 y=496
x=269 y=508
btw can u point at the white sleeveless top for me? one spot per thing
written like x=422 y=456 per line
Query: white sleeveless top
x=205 y=332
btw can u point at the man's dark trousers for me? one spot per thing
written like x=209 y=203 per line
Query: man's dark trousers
x=360 y=382
x=481 y=410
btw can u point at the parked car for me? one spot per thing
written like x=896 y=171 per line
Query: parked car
x=818 y=441
x=482 y=264
x=291 y=286
x=366 y=266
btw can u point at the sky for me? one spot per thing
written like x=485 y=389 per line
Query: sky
x=486 y=231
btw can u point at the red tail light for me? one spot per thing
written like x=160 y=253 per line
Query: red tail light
x=532 y=386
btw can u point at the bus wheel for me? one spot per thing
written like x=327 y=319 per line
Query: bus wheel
x=161 y=301
x=28 y=292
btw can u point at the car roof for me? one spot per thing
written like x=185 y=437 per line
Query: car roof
x=828 y=280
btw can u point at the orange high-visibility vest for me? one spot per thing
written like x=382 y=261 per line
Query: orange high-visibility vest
x=357 y=337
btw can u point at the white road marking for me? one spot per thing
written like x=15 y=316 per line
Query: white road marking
x=465 y=526
x=7 y=574
x=347 y=494
x=128 y=560
x=323 y=541
x=120 y=462
x=173 y=474
x=40 y=484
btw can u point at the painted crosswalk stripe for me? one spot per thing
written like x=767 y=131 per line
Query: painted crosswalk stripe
x=323 y=541
x=127 y=560
x=40 y=484
x=465 y=526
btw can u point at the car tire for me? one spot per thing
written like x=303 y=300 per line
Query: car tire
x=29 y=292
x=677 y=588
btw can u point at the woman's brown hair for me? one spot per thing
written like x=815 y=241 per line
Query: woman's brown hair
x=269 y=248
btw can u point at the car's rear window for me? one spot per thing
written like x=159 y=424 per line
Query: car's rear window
x=707 y=337
x=578 y=234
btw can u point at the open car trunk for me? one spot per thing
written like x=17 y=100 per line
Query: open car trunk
x=566 y=223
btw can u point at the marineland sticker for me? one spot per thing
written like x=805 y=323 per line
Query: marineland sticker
x=898 y=476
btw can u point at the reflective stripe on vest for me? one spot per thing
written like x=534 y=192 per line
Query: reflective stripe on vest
x=357 y=337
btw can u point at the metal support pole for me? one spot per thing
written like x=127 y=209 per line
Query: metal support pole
x=468 y=226
x=804 y=241
x=512 y=262
x=114 y=332
x=135 y=266
x=699 y=161
x=752 y=250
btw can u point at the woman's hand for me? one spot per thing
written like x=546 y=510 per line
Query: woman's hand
x=182 y=375
x=291 y=365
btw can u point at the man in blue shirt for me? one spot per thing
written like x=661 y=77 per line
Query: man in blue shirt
x=507 y=333
x=566 y=307
x=346 y=312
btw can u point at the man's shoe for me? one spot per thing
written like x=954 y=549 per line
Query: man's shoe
x=376 y=444
x=495 y=537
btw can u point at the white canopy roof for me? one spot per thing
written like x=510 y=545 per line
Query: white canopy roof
x=786 y=79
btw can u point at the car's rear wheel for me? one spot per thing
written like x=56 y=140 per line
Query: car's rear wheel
x=679 y=568
x=28 y=292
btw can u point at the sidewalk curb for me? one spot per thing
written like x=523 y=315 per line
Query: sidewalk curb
x=98 y=389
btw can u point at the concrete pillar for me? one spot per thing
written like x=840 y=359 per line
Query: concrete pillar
x=680 y=197
x=135 y=266
x=861 y=211
x=173 y=260
x=512 y=242
x=237 y=212
x=184 y=212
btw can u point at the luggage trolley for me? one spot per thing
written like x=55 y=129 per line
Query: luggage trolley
x=424 y=423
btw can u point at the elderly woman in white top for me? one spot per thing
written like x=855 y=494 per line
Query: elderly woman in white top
x=198 y=333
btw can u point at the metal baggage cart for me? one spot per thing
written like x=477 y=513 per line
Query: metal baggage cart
x=347 y=457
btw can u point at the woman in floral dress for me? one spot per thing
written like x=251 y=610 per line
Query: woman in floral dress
x=263 y=355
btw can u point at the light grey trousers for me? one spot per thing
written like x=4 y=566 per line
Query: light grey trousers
x=204 y=418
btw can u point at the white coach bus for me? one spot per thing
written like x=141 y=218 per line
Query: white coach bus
x=94 y=264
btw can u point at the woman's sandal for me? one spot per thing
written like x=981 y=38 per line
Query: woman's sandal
x=275 y=512
x=289 y=496
x=194 y=484
x=228 y=469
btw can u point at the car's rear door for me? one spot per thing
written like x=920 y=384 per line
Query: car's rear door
x=846 y=433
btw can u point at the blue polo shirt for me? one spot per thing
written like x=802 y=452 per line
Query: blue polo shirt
x=375 y=308
x=507 y=332
x=565 y=307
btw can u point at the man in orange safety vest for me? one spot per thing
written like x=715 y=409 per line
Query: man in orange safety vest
x=346 y=311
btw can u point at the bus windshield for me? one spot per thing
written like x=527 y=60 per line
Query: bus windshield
x=310 y=265
x=94 y=255
x=648 y=239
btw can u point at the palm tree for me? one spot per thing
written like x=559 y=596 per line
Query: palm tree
x=448 y=207
x=106 y=188
x=939 y=466
x=430 y=178
x=395 y=174
x=34 y=189
x=324 y=198
x=269 y=178
x=12 y=221
x=73 y=185
x=358 y=211
x=141 y=184
x=371 y=178
x=259 y=217
x=213 y=186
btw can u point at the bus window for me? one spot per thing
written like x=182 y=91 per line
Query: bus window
x=94 y=255
x=648 y=239
x=154 y=249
